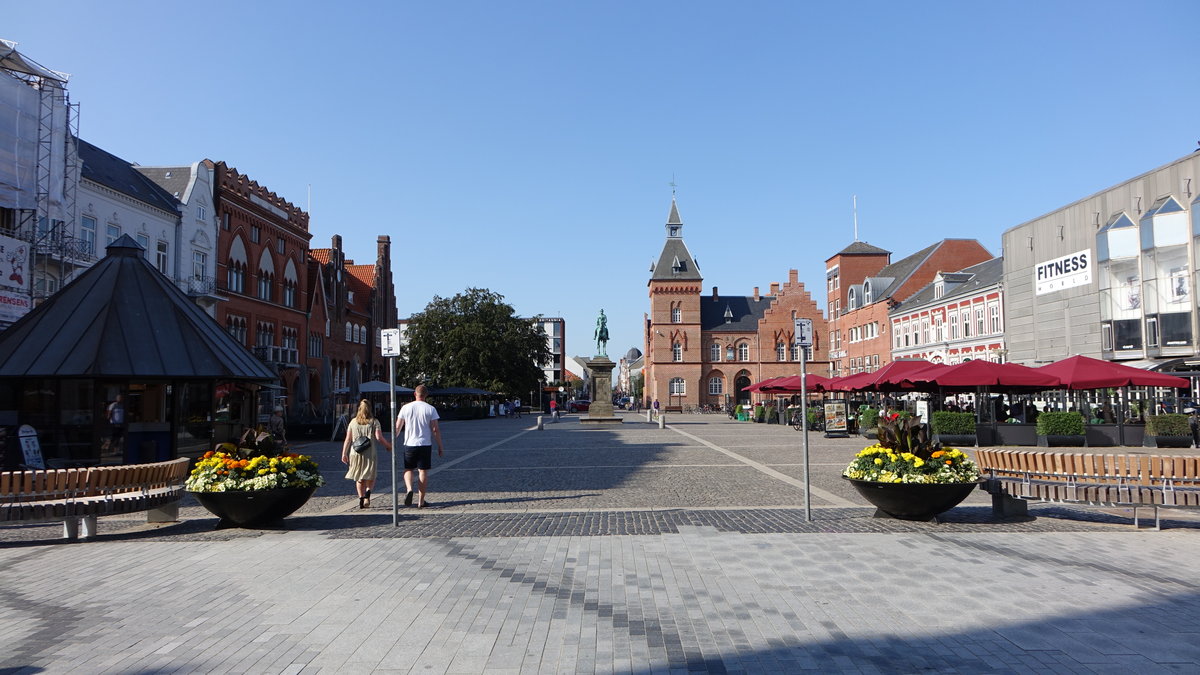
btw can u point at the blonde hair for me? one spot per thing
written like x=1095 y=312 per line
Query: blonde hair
x=364 y=415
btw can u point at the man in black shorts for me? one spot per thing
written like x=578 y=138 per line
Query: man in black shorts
x=418 y=421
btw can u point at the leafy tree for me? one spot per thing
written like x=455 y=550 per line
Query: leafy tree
x=474 y=339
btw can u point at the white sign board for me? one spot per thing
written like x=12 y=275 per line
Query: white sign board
x=389 y=341
x=14 y=254
x=1068 y=271
x=804 y=332
x=30 y=447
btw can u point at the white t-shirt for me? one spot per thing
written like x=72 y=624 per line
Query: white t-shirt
x=418 y=419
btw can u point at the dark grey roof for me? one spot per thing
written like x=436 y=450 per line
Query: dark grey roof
x=123 y=318
x=673 y=216
x=863 y=248
x=107 y=169
x=172 y=179
x=675 y=263
x=975 y=277
x=746 y=313
x=633 y=354
x=899 y=272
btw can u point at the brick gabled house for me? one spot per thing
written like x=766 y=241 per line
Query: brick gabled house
x=863 y=286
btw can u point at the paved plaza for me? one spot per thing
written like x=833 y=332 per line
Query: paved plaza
x=628 y=549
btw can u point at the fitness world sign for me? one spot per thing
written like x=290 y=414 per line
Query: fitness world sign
x=1068 y=271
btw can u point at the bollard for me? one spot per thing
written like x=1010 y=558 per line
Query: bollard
x=662 y=421
x=648 y=418
x=540 y=428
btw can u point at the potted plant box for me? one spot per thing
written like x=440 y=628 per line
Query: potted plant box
x=1169 y=430
x=1057 y=429
x=954 y=429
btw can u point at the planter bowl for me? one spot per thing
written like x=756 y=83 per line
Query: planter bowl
x=254 y=507
x=913 y=501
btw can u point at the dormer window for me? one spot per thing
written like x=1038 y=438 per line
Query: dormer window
x=676 y=266
x=728 y=315
x=939 y=289
x=866 y=293
x=852 y=300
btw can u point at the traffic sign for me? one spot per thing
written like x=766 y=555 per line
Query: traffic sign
x=804 y=332
x=389 y=341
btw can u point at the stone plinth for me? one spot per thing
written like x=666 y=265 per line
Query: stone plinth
x=601 y=410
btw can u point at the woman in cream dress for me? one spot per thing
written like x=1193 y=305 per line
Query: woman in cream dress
x=362 y=464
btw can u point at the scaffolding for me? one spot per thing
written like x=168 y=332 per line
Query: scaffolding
x=49 y=227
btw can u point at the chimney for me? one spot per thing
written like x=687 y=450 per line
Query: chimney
x=793 y=276
x=715 y=296
x=774 y=288
x=756 y=293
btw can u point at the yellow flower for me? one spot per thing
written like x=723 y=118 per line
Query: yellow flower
x=878 y=461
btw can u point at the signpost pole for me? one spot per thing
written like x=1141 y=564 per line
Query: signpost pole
x=804 y=341
x=389 y=344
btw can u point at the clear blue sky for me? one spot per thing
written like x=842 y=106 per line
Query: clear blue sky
x=527 y=147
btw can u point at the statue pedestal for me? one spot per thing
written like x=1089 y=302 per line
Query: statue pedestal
x=601 y=410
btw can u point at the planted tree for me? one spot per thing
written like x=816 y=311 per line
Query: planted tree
x=473 y=339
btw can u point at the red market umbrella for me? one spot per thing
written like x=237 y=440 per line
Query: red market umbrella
x=977 y=373
x=791 y=384
x=887 y=378
x=758 y=386
x=1082 y=372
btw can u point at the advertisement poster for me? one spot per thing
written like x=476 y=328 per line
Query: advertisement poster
x=13 y=305
x=835 y=417
x=14 y=254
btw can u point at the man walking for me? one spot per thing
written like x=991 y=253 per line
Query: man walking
x=418 y=421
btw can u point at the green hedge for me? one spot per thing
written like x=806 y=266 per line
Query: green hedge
x=868 y=418
x=1067 y=423
x=1168 y=424
x=953 y=423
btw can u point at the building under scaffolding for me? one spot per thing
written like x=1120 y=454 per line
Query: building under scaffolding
x=39 y=175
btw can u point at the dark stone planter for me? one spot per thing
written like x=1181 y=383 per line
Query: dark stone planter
x=1055 y=441
x=912 y=501
x=254 y=507
x=956 y=440
x=1149 y=441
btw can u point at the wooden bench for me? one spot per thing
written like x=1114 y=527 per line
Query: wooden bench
x=75 y=495
x=1015 y=477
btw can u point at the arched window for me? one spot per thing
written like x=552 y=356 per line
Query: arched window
x=676 y=352
x=866 y=293
x=716 y=385
x=852 y=299
x=781 y=352
x=236 y=268
x=743 y=351
x=266 y=276
x=714 y=352
x=290 y=282
x=676 y=315
x=677 y=386
x=349 y=332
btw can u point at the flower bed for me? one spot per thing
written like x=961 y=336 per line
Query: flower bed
x=885 y=465
x=219 y=471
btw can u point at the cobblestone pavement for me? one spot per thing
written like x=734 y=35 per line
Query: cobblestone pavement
x=626 y=549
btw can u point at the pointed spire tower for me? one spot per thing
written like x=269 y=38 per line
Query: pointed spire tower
x=675 y=263
x=673 y=350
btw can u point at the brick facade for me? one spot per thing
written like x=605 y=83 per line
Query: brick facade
x=705 y=349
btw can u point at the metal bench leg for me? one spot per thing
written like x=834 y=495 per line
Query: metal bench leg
x=89 y=526
x=167 y=513
x=71 y=528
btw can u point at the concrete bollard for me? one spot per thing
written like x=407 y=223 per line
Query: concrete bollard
x=540 y=427
x=662 y=421
x=648 y=416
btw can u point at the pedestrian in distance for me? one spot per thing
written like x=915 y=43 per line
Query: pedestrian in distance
x=655 y=406
x=277 y=427
x=554 y=410
x=418 y=421
x=517 y=407
x=363 y=463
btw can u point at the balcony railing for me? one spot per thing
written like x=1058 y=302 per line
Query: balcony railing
x=196 y=286
x=280 y=356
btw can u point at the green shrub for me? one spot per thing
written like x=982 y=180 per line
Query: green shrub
x=953 y=423
x=868 y=418
x=1168 y=424
x=813 y=415
x=758 y=412
x=1060 y=424
x=738 y=409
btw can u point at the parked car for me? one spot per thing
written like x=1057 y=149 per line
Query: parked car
x=623 y=402
x=578 y=406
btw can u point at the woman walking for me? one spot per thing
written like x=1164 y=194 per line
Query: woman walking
x=362 y=458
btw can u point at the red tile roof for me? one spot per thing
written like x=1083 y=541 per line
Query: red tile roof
x=321 y=255
x=364 y=273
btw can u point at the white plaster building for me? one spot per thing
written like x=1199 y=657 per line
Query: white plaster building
x=194 y=259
